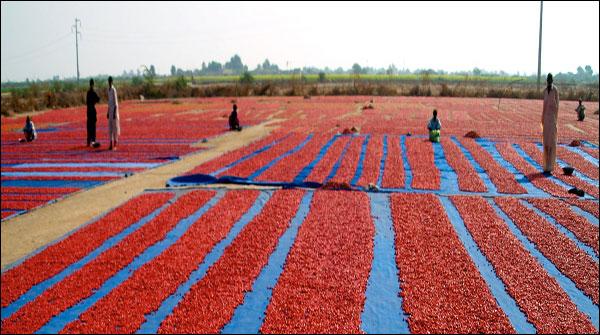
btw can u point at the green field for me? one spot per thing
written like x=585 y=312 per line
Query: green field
x=345 y=77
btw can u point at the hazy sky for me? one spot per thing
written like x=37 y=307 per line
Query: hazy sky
x=37 y=41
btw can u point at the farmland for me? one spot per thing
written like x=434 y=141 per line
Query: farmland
x=298 y=225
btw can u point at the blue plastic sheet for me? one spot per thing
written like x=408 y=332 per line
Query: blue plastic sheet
x=249 y=316
x=57 y=323
x=154 y=319
x=582 y=301
x=494 y=283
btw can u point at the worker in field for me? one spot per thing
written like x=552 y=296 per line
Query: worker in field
x=549 y=124
x=28 y=131
x=234 y=122
x=91 y=100
x=580 y=111
x=112 y=115
x=434 y=128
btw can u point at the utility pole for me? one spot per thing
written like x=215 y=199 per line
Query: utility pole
x=77 y=32
x=540 y=47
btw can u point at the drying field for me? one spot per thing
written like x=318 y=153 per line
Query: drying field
x=306 y=228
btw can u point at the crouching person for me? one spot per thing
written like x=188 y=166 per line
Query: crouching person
x=434 y=128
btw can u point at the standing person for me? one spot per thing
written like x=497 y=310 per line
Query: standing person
x=549 y=124
x=234 y=123
x=434 y=127
x=91 y=100
x=113 y=115
x=29 y=131
x=580 y=111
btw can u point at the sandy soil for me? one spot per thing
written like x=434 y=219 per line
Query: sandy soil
x=26 y=233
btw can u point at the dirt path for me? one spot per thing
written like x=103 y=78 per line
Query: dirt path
x=28 y=232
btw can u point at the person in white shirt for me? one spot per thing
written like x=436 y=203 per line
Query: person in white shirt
x=112 y=115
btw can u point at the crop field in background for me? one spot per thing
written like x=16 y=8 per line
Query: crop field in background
x=379 y=231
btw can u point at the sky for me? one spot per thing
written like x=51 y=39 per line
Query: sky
x=37 y=41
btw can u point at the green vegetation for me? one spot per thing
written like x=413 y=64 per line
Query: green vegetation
x=235 y=79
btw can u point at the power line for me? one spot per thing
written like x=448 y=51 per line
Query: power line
x=33 y=51
x=38 y=55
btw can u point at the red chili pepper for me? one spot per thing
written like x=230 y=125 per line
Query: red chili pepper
x=468 y=179
x=322 y=287
x=203 y=311
x=442 y=289
x=82 y=283
x=544 y=302
x=503 y=180
x=126 y=305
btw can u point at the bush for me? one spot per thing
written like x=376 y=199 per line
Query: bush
x=415 y=91
x=445 y=91
x=246 y=78
x=180 y=84
x=321 y=77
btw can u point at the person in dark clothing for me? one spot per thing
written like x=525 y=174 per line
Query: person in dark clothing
x=580 y=111
x=29 y=131
x=434 y=126
x=234 y=123
x=91 y=100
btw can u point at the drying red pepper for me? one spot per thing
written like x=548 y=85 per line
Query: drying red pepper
x=468 y=179
x=82 y=283
x=441 y=288
x=57 y=257
x=123 y=309
x=322 y=287
x=203 y=311
x=393 y=174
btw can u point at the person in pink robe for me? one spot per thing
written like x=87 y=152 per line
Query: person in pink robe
x=549 y=124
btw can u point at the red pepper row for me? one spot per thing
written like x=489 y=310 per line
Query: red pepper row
x=322 y=287
x=347 y=168
x=57 y=257
x=536 y=154
x=6 y=214
x=247 y=167
x=535 y=177
x=468 y=179
x=372 y=161
x=124 y=308
x=22 y=205
x=426 y=175
x=393 y=174
x=578 y=162
x=322 y=169
x=230 y=157
x=562 y=213
x=503 y=180
x=441 y=288
x=288 y=168
x=28 y=197
x=587 y=205
x=72 y=169
x=557 y=247
x=203 y=311
x=40 y=190
x=537 y=294
x=85 y=281
x=97 y=178
x=591 y=151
